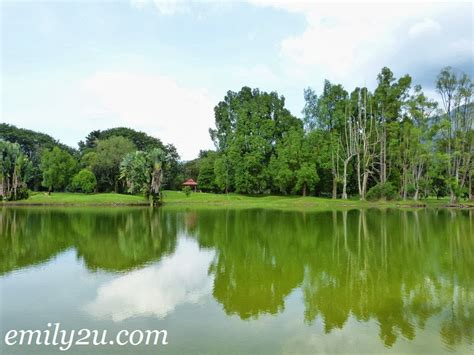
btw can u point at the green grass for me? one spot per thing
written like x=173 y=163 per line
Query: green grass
x=68 y=198
x=208 y=200
x=178 y=198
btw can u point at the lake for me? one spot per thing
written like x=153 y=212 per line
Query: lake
x=223 y=281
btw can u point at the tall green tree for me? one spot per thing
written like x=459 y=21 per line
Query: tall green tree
x=15 y=169
x=207 y=176
x=328 y=113
x=293 y=167
x=390 y=97
x=223 y=172
x=456 y=92
x=105 y=164
x=57 y=167
x=415 y=144
x=249 y=124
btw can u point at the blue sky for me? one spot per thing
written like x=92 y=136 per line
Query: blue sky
x=161 y=66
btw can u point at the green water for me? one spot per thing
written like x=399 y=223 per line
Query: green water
x=243 y=281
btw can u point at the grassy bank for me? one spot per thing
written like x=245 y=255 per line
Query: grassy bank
x=78 y=199
x=179 y=199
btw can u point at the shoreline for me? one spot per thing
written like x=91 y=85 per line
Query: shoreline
x=209 y=200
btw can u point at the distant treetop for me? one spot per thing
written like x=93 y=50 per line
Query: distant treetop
x=30 y=141
x=141 y=140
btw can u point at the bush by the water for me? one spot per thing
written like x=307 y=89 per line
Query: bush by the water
x=382 y=192
x=187 y=190
x=84 y=181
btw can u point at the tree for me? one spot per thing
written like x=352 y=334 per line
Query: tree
x=249 y=124
x=292 y=167
x=207 y=176
x=328 y=115
x=143 y=172
x=15 y=168
x=390 y=96
x=157 y=157
x=367 y=132
x=349 y=142
x=32 y=145
x=141 y=140
x=306 y=178
x=109 y=153
x=456 y=94
x=417 y=135
x=57 y=167
x=224 y=173
x=171 y=170
x=84 y=181
x=135 y=170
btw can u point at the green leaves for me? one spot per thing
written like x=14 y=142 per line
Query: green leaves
x=106 y=164
x=249 y=125
x=57 y=167
x=15 y=170
x=84 y=181
x=143 y=172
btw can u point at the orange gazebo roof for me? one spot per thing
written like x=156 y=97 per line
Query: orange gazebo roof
x=190 y=182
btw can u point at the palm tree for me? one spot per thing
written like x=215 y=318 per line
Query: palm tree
x=157 y=157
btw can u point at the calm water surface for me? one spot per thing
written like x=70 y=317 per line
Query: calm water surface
x=243 y=281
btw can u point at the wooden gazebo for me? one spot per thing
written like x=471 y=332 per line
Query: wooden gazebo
x=191 y=183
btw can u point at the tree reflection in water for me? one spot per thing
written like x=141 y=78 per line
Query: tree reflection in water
x=400 y=268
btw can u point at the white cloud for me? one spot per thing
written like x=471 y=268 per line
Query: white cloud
x=158 y=289
x=350 y=42
x=155 y=104
x=172 y=7
x=425 y=27
x=164 y=7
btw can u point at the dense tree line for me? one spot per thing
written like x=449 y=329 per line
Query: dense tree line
x=32 y=145
x=36 y=161
x=393 y=142
x=389 y=143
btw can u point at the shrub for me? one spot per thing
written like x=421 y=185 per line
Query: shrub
x=187 y=190
x=382 y=192
x=22 y=193
x=84 y=181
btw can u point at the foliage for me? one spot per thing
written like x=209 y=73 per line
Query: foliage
x=15 y=168
x=22 y=193
x=141 y=140
x=207 y=177
x=382 y=191
x=84 y=181
x=106 y=159
x=32 y=145
x=456 y=127
x=172 y=178
x=224 y=173
x=187 y=190
x=57 y=167
x=143 y=172
x=248 y=125
x=393 y=141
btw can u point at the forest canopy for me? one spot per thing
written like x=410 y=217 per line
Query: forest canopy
x=391 y=142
